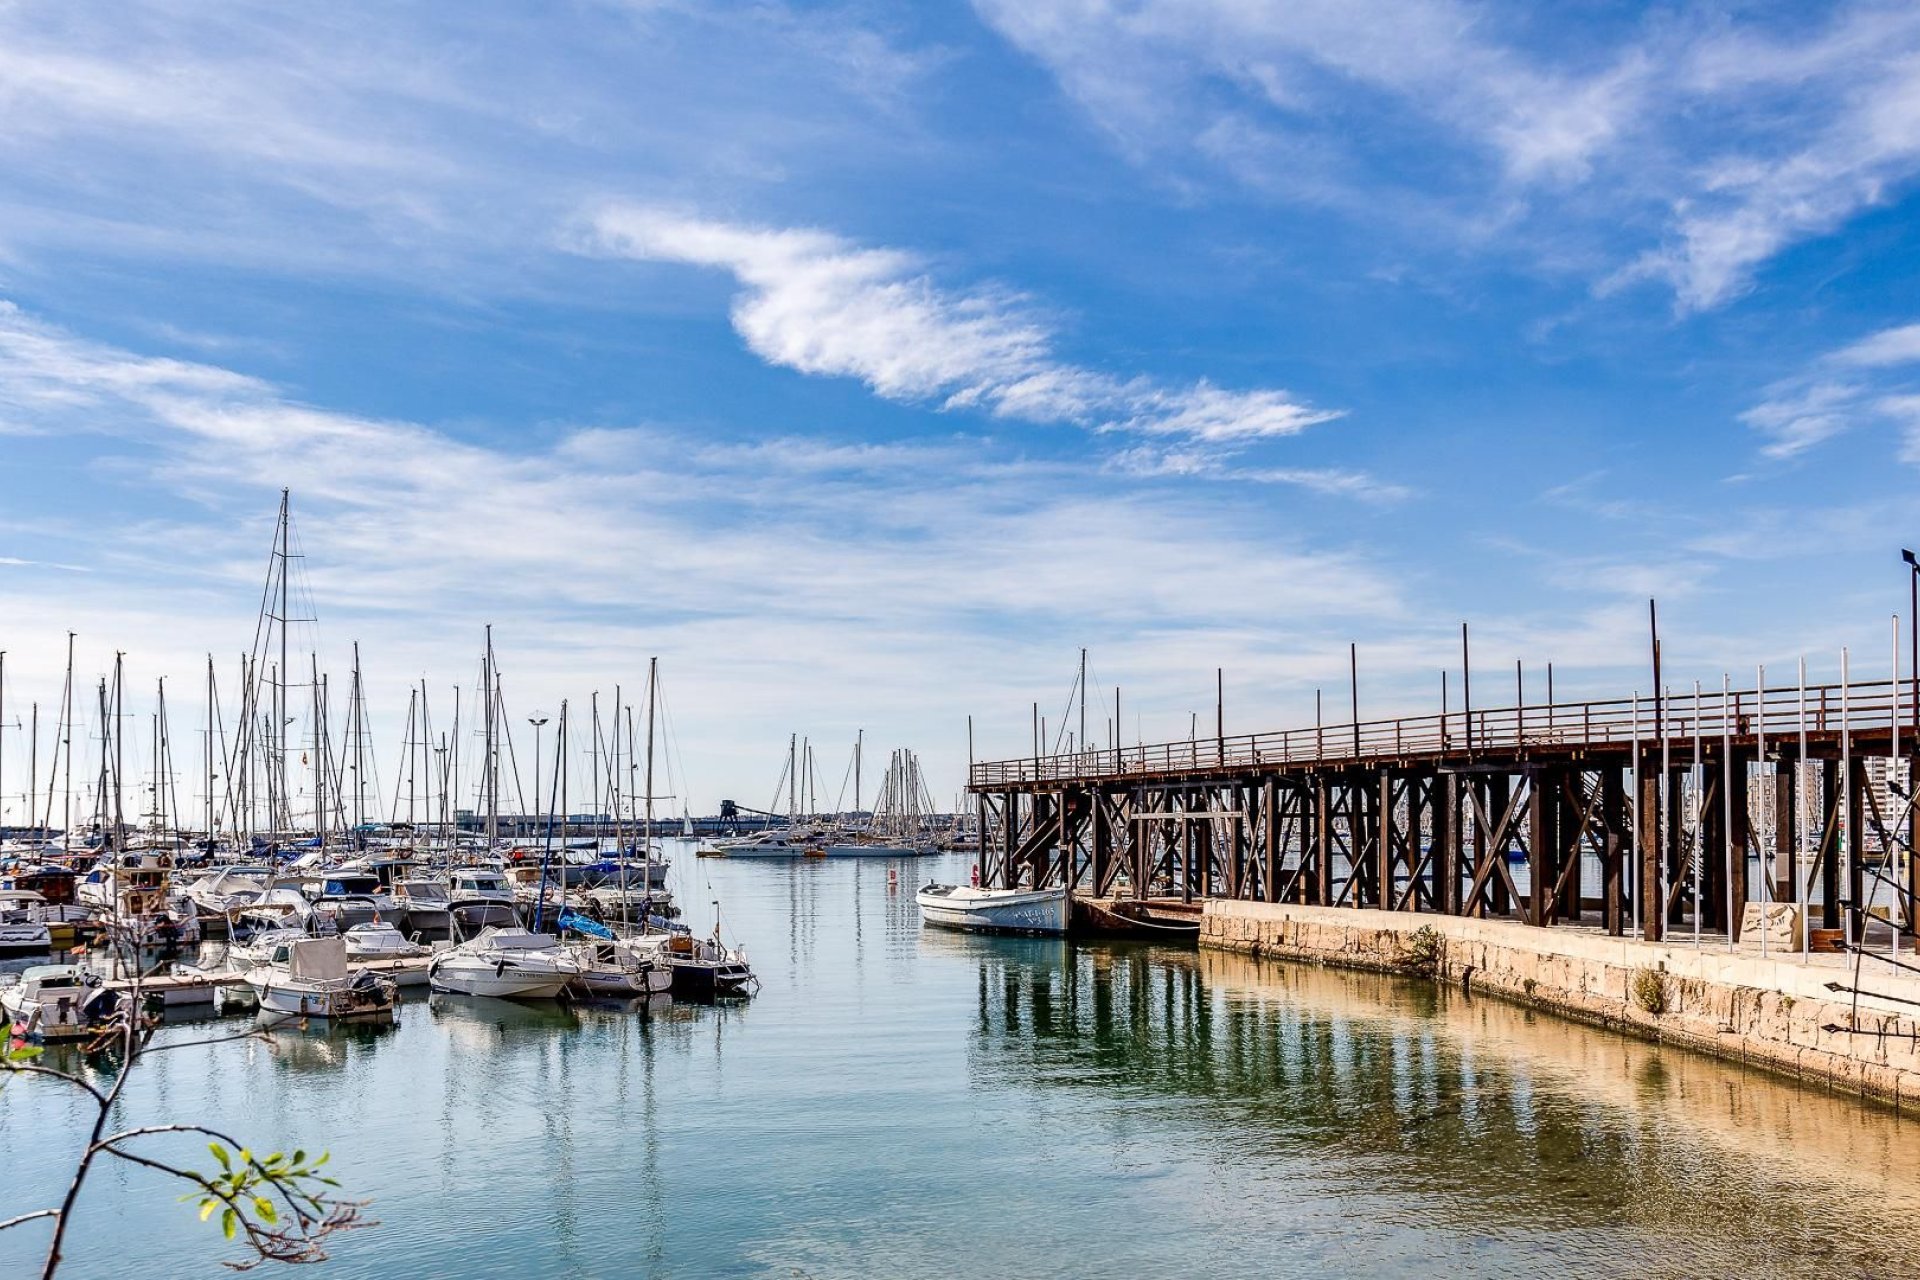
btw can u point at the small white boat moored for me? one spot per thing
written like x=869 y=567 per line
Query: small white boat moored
x=959 y=906
x=53 y=1002
x=310 y=978
x=378 y=941
x=508 y=964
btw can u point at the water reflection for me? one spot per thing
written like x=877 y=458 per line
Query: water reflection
x=1472 y=1115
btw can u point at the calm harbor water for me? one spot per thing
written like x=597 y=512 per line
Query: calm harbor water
x=920 y=1104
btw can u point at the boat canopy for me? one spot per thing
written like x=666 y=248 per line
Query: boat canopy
x=317 y=959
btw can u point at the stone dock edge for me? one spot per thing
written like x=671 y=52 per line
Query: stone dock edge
x=1774 y=1012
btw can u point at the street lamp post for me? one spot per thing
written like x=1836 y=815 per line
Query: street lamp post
x=536 y=722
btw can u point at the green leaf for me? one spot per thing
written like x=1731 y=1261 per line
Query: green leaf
x=207 y=1207
x=220 y=1154
x=229 y=1223
x=264 y=1207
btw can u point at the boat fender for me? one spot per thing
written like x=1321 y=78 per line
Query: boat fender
x=501 y=967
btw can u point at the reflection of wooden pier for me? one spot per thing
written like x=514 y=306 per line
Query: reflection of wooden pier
x=1638 y=815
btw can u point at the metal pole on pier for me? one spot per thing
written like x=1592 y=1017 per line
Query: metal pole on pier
x=1734 y=867
x=1466 y=686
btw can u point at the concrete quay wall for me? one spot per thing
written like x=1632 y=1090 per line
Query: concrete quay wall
x=1774 y=1011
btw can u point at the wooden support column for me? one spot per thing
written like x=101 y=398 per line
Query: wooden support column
x=1855 y=872
x=1785 y=868
x=1499 y=791
x=1541 y=796
x=1614 y=843
x=1830 y=845
x=1270 y=839
x=1320 y=883
x=1653 y=914
x=1101 y=831
x=1739 y=838
x=1712 y=848
x=1383 y=840
x=1446 y=840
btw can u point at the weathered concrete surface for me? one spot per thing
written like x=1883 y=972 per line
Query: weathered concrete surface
x=1773 y=1011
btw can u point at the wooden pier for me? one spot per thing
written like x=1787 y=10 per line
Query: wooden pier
x=1638 y=815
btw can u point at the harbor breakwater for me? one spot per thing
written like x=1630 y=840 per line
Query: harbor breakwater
x=1780 y=1012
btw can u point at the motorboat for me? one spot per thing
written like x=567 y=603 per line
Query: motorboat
x=23 y=924
x=132 y=894
x=54 y=1002
x=959 y=906
x=354 y=897
x=310 y=978
x=424 y=908
x=469 y=917
x=614 y=966
x=228 y=889
x=703 y=968
x=631 y=905
x=790 y=843
x=470 y=883
x=511 y=964
x=378 y=940
x=260 y=947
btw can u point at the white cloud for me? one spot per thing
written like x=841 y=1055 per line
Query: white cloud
x=819 y=304
x=789 y=582
x=1813 y=406
x=1899 y=345
x=1730 y=138
x=1797 y=417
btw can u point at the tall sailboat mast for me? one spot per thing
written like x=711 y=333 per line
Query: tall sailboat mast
x=653 y=680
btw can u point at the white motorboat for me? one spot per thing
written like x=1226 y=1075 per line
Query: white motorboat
x=620 y=967
x=791 y=843
x=310 y=978
x=479 y=884
x=228 y=889
x=379 y=941
x=260 y=947
x=23 y=924
x=959 y=906
x=54 y=1002
x=511 y=964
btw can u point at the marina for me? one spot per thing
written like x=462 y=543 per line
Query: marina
x=1013 y=638
x=1372 y=1122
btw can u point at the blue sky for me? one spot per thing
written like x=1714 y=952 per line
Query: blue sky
x=864 y=362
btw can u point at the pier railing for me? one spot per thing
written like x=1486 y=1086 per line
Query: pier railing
x=1774 y=715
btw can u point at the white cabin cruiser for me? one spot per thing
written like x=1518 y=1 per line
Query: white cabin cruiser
x=959 y=906
x=228 y=889
x=620 y=967
x=23 y=924
x=54 y=1002
x=510 y=964
x=379 y=941
x=310 y=978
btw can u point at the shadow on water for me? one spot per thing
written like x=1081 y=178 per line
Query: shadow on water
x=1475 y=1116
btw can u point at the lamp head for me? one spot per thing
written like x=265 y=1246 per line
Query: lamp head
x=1909 y=557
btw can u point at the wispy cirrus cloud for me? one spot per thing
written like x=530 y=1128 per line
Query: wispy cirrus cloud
x=820 y=304
x=1724 y=138
x=1876 y=378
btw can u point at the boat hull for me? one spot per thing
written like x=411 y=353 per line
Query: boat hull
x=499 y=984
x=334 y=1006
x=1032 y=911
